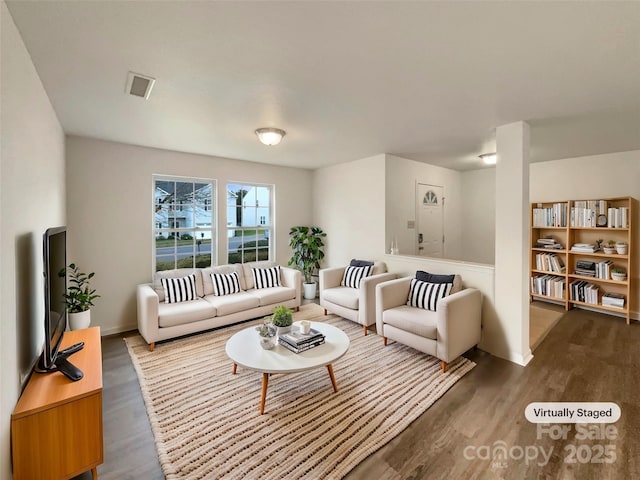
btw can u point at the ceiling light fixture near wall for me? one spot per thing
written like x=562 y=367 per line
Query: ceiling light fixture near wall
x=270 y=136
x=139 y=85
x=489 y=158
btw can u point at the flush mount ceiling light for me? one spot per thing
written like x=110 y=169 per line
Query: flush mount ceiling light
x=489 y=158
x=270 y=136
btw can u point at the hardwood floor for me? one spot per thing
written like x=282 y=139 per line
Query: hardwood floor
x=586 y=357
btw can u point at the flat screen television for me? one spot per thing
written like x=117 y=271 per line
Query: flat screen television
x=54 y=250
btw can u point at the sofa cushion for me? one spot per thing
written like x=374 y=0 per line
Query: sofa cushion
x=248 y=273
x=269 y=296
x=182 y=289
x=236 y=302
x=360 y=263
x=225 y=284
x=354 y=275
x=344 y=296
x=171 y=314
x=426 y=295
x=224 y=270
x=414 y=320
x=177 y=273
x=266 y=277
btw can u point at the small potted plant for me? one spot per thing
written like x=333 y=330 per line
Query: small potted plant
x=621 y=248
x=609 y=247
x=267 y=332
x=618 y=274
x=282 y=318
x=79 y=296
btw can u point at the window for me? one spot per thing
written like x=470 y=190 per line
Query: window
x=249 y=222
x=183 y=210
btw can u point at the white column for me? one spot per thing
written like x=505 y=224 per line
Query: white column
x=512 y=239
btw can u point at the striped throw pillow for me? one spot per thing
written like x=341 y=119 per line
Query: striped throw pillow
x=426 y=295
x=354 y=275
x=180 y=289
x=266 y=277
x=225 y=284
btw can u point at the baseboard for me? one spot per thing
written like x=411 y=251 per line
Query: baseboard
x=120 y=329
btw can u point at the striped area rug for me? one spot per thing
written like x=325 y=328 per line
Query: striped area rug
x=206 y=421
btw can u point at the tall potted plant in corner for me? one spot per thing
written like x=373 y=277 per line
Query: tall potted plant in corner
x=79 y=296
x=307 y=244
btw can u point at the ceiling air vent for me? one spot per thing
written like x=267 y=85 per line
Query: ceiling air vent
x=139 y=85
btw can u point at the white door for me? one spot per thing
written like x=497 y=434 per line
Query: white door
x=430 y=219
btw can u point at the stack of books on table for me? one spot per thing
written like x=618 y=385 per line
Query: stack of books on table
x=299 y=342
x=613 y=300
x=584 y=247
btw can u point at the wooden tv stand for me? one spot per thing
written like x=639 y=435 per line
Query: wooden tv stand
x=56 y=427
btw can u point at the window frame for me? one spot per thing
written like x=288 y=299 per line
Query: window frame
x=193 y=231
x=270 y=228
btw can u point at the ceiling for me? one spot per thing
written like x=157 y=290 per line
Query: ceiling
x=429 y=81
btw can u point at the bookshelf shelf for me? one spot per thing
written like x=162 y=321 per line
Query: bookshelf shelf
x=573 y=222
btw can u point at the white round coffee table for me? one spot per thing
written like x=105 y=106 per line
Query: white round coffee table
x=245 y=350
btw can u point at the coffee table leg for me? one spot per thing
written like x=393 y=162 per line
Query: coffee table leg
x=235 y=368
x=265 y=382
x=333 y=377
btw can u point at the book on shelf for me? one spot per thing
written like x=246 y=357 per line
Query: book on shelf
x=584 y=213
x=554 y=216
x=613 y=300
x=585 y=292
x=618 y=217
x=585 y=268
x=550 y=262
x=603 y=269
x=585 y=247
x=549 y=243
x=301 y=348
x=548 y=285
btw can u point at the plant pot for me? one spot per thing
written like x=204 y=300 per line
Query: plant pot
x=620 y=277
x=283 y=330
x=621 y=249
x=309 y=290
x=78 y=321
x=609 y=250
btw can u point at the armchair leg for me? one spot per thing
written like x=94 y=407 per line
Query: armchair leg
x=364 y=329
x=297 y=308
x=444 y=366
x=384 y=339
x=152 y=345
x=325 y=311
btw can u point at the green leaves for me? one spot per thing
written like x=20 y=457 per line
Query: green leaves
x=307 y=244
x=80 y=295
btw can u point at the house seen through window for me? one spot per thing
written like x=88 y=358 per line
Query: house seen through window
x=184 y=220
x=249 y=222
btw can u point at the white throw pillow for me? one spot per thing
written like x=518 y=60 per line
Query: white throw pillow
x=426 y=295
x=354 y=275
x=266 y=277
x=180 y=289
x=225 y=284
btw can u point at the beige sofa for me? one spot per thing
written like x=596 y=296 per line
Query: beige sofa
x=446 y=333
x=355 y=304
x=158 y=320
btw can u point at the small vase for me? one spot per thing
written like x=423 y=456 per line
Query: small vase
x=267 y=342
x=621 y=249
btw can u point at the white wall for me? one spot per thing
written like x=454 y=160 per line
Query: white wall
x=349 y=205
x=32 y=198
x=110 y=213
x=401 y=178
x=478 y=215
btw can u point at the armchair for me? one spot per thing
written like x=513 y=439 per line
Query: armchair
x=445 y=333
x=355 y=304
